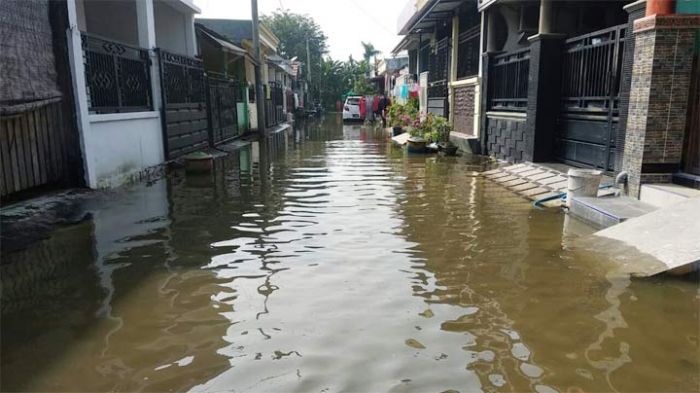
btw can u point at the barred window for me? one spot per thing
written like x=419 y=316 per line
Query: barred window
x=468 y=53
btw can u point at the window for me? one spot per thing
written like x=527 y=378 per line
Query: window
x=468 y=53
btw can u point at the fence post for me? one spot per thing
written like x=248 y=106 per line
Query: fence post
x=163 y=104
x=543 y=96
x=210 y=123
x=485 y=98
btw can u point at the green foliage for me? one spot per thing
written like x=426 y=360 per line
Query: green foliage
x=433 y=128
x=369 y=52
x=330 y=79
x=294 y=30
x=403 y=115
x=363 y=87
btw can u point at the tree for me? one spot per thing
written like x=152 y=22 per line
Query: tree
x=369 y=52
x=293 y=31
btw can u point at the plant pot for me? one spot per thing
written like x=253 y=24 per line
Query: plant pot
x=199 y=163
x=416 y=144
x=448 y=149
x=395 y=131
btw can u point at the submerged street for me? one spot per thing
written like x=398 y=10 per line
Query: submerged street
x=327 y=260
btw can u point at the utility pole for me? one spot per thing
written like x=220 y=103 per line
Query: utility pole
x=308 y=64
x=259 y=93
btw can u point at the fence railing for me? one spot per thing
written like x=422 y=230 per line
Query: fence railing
x=183 y=79
x=224 y=94
x=274 y=109
x=117 y=75
x=509 y=81
x=591 y=70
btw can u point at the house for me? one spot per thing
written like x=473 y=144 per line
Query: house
x=389 y=69
x=447 y=73
x=225 y=65
x=139 y=90
x=276 y=72
x=588 y=84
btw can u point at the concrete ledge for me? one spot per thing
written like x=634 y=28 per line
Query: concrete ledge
x=669 y=235
x=606 y=212
x=123 y=116
x=466 y=143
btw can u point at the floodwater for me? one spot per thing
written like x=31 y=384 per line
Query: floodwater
x=328 y=261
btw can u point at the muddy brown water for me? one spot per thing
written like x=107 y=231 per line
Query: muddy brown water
x=328 y=261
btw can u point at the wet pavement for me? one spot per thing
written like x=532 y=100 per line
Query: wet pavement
x=327 y=260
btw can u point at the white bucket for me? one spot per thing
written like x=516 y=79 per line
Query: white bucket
x=583 y=182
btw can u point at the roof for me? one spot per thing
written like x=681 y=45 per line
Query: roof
x=431 y=12
x=237 y=30
x=233 y=30
x=219 y=41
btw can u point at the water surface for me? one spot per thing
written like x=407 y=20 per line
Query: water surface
x=328 y=261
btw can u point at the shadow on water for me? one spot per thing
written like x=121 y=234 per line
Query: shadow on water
x=325 y=258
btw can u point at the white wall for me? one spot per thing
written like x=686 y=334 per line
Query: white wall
x=112 y=19
x=118 y=147
x=80 y=12
x=173 y=29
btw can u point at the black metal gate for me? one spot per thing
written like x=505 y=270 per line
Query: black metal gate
x=223 y=95
x=184 y=114
x=589 y=116
x=274 y=109
x=438 y=78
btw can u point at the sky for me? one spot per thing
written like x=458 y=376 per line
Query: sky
x=345 y=22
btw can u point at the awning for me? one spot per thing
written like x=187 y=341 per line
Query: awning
x=405 y=44
x=223 y=44
x=434 y=11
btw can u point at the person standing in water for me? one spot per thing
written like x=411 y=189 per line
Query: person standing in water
x=382 y=107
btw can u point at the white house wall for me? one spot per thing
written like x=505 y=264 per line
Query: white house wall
x=172 y=29
x=80 y=12
x=112 y=19
x=120 y=148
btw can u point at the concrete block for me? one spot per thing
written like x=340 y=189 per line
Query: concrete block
x=606 y=212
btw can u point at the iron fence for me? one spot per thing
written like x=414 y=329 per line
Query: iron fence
x=591 y=70
x=183 y=79
x=509 y=80
x=224 y=94
x=274 y=109
x=117 y=75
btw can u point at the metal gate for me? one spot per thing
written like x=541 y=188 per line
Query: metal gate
x=223 y=95
x=438 y=76
x=589 y=116
x=184 y=113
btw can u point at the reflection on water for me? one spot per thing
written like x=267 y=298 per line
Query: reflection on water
x=327 y=260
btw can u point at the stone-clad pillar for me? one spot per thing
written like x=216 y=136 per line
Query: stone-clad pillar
x=661 y=74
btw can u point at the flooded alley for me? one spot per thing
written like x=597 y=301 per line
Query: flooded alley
x=327 y=260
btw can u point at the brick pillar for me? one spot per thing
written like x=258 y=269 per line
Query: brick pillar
x=663 y=55
x=543 y=96
x=635 y=10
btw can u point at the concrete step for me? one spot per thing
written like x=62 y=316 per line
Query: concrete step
x=608 y=211
x=537 y=181
x=670 y=235
x=665 y=195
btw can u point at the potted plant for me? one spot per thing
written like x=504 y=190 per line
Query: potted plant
x=416 y=142
x=443 y=129
x=395 y=113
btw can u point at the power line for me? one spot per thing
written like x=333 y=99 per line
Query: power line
x=369 y=15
